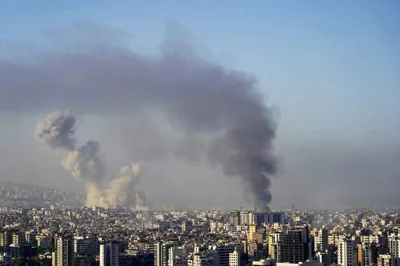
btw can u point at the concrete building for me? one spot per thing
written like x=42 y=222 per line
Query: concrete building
x=324 y=258
x=346 y=253
x=64 y=254
x=275 y=245
x=234 y=218
x=244 y=218
x=17 y=238
x=176 y=256
x=234 y=258
x=223 y=251
x=30 y=236
x=269 y=217
x=161 y=253
x=394 y=246
x=386 y=260
x=5 y=238
x=210 y=259
x=6 y=259
x=366 y=254
x=86 y=245
x=109 y=254
x=187 y=226
x=81 y=245
x=295 y=245
x=252 y=230
x=321 y=240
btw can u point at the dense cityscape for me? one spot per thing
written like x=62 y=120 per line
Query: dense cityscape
x=199 y=133
x=57 y=234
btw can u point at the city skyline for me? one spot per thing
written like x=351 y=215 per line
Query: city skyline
x=329 y=71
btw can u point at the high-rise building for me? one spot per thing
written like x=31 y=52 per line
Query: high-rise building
x=245 y=218
x=394 y=246
x=223 y=251
x=275 y=245
x=259 y=236
x=386 y=260
x=276 y=217
x=323 y=257
x=346 y=253
x=64 y=251
x=82 y=245
x=234 y=258
x=269 y=217
x=5 y=238
x=366 y=254
x=321 y=240
x=234 y=218
x=30 y=236
x=250 y=233
x=176 y=256
x=161 y=253
x=334 y=239
x=17 y=238
x=209 y=259
x=109 y=254
x=296 y=245
x=187 y=226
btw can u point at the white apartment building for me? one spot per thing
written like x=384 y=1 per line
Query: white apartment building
x=234 y=258
x=369 y=239
x=386 y=260
x=64 y=255
x=394 y=246
x=346 y=253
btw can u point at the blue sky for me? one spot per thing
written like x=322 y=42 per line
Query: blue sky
x=332 y=68
x=329 y=66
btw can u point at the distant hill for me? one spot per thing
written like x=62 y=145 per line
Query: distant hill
x=16 y=194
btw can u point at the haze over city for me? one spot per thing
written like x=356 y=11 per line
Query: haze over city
x=322 y=80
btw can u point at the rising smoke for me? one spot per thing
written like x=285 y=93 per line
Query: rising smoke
x=122 y=190
x=194 y=95
x=83 y=163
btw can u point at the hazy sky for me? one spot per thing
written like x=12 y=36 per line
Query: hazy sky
x=330 y=68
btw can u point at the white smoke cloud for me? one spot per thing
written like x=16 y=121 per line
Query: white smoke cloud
x=93 y=194
x=122 y=191
x=83 y=163
x=141 y=202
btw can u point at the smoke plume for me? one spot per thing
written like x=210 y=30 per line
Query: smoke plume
x=194 y=95
x=83 y=163
x=57 y=130
x=121 y=191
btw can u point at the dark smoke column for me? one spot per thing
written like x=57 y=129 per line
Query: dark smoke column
x=217 y=107
x=246 y=151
